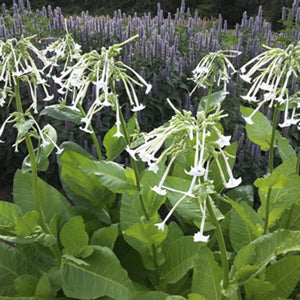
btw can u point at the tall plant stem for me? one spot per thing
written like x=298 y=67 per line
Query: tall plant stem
x=93 y=135
x=222 y=246
x=34 y=175
x=134 y=165
x=271 y=159
x=271 y=167
x=298 y=165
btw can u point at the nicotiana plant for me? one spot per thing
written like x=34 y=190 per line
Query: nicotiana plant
x=174 y=222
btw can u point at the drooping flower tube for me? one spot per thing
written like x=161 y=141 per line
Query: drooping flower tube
x=184 y=134
x=270 y=74
x=102 y=71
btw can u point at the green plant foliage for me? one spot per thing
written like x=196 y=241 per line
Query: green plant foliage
x=207 y=275
x=260 y=131
x=253 y=258
x=109 y=174
x=104 y=275
x=181 y=255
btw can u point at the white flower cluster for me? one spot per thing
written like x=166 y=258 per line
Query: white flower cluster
x=214 y=67
x=16 y=61
x=270 y=74
x=102 y=71
x=185 y=130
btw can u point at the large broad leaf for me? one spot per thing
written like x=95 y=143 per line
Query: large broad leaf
x=284 y=275
x=88 y=186
x=208 y=103
x=207 y=276
x=105 y=236
x=109 y=174
x=9 y=215
x=253 y=258
x=260 y=131
x=73 y=236
x=131 y=211
x=50 y=199
x=42 y=153
x=145 y=239
x=12 y=265
x=290 y=219
x=285 y=150
x=152 y=200
x=115 y=145
x=245 y=225
x=93 y=217
x=285 y=191
x=260 y=289
x=188 y=209
x=181 y=256
x=104 y=277
x=64 y=113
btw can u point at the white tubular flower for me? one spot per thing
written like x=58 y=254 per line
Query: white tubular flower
x=197 y=169
x=214 y=66
x=18 y=61
x=223 y=140
x=4 y=124
x=232 y=182
x=199 y=236
x=270 y=73
x=158 y=189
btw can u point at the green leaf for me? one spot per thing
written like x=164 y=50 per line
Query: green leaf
x=147 y=234
x=260 y=289
x=42 y=153
x=208 y=103
x=105 y=236
x=145 y=238
x=181 y=256
x=284 y=275
x=285 y=191
x=88 y=186
x=285 y=150
x=9 y=215
x=110 y=174
x=73 y=236
x=153 y=295
x=131 y=211
x=195 y=296
x=253 y=258
x=25 y=285
x=27 y=224
x=64 y=113
x=245 y=225
x=260 y=131
x=207 y=275
x=104 y=275
x=12 y=265
x=115 y=145
x=50 y=199
x=43 y=288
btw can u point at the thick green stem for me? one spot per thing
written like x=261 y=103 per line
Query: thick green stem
x=134 y=165
x=221 y=243
x=267 y=212
x=271 y=167
x=298 y=165
x=271 y=159
x=93 y=135
x=34 y=176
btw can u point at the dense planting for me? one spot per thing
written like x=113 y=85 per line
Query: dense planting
x=151 y=207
